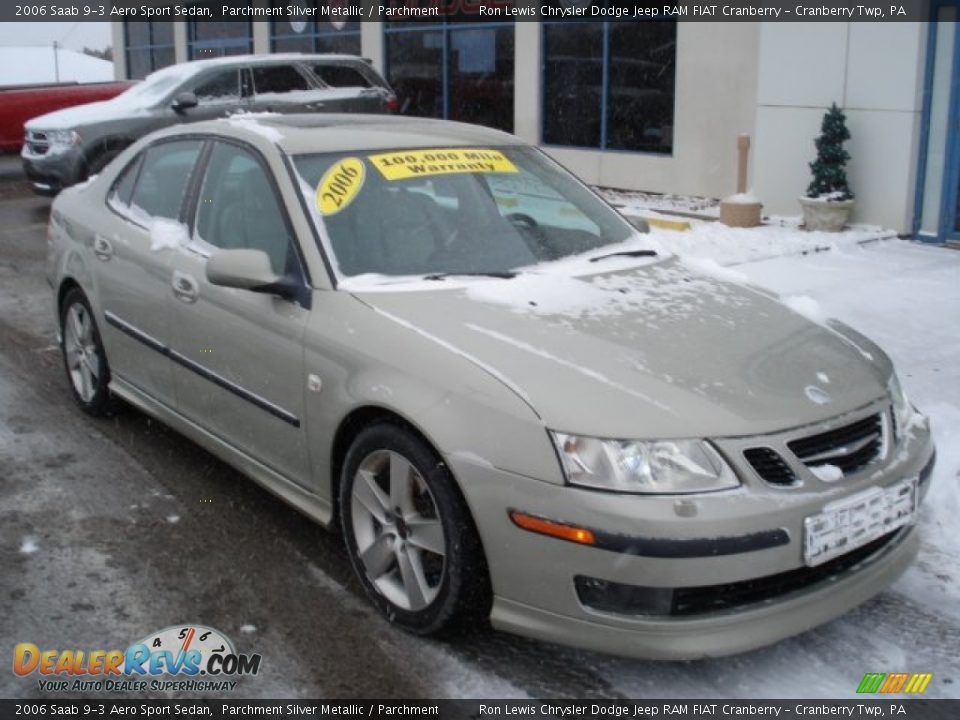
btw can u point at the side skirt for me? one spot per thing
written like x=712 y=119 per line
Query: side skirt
x=314 y=507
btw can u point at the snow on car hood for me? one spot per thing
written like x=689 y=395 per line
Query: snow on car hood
x=95 y=112
x=657 y=351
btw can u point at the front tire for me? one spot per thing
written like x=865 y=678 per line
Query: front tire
x=84 y=358
x=408 y=532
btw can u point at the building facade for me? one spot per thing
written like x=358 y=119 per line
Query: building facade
x=657 y=106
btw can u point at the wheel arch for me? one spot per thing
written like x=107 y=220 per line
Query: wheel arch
x=66 y=285
x=352 y=424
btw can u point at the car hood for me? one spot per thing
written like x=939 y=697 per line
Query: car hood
x=657 y=351
x=78 y=115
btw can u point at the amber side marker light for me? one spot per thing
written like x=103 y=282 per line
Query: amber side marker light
x=539 y=525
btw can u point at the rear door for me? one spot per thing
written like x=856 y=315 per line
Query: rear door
x=352 y=87
x=284 y=88
x=133 y=269
x=239 y=371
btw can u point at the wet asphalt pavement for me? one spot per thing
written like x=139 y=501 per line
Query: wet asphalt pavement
x=111 y=529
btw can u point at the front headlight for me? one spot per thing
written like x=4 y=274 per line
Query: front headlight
x=63 y=137
x=638 y=466
x=902 y=409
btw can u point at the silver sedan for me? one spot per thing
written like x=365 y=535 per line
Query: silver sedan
x=512 y=402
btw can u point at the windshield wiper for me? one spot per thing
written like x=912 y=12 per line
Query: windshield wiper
x=625 y=253
x=503 y=274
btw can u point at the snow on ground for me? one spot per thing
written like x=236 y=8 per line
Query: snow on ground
x=905 y=296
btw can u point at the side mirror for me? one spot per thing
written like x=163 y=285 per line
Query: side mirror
x=184 y=101
x=639 y=224
x=249 y=270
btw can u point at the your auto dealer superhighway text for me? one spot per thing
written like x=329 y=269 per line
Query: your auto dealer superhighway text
x=680 y=709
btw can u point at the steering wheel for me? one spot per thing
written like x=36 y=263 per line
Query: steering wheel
x=533 y=231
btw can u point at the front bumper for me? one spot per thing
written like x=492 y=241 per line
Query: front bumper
x=712 y=536
x=52 y=171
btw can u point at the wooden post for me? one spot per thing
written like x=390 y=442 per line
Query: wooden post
x=738 y=210
x=743 y=151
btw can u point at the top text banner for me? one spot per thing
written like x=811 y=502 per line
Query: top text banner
x=439 y=11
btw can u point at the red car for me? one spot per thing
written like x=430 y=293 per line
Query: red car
x=19 y=103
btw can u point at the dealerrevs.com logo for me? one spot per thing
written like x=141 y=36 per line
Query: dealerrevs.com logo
x=184 y=658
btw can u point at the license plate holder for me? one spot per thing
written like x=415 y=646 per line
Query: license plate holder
x=855 y=521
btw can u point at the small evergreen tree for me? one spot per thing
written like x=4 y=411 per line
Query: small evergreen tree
x=829 y=169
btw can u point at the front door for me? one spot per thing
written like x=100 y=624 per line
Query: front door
x=239 y=371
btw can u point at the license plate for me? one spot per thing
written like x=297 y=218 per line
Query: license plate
x=855 y=521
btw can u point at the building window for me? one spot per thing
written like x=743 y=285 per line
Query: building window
x=149 y=46
x=454 y=71
x=315 y=36
x=609 y=85
x=207 y=39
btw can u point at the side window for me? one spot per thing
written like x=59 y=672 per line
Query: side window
x=239 y=208
x=163 y=179
x=122 y=189
x=270 y=79
x=340 y=76
x=219 y=87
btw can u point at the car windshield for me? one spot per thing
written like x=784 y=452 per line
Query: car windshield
x=150 y=91
x=440 y=211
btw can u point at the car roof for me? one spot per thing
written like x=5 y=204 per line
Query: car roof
x=191 y=68
x=307 y=133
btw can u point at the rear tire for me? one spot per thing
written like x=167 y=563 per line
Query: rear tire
x=84 y=358
x=409 y=535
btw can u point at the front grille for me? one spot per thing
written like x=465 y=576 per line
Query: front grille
x=849 y=448
x=622 y=599
x=770 y=466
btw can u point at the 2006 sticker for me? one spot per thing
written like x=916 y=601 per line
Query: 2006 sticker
x=340 y=185
x=442 y=161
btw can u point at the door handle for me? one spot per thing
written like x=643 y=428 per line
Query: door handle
x=102 y=248
x=185 y=287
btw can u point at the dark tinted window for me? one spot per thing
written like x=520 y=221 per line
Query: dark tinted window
x=455 y=72
x=642 y=68
x=223 y=85
x=340 y=76
x=239 y=208
x=573 y=83
x=123 y=186
x=149 y=47
x=323 y=35
x=629 y=66
x=207 y=39
x=163 y=179
x=278 y=79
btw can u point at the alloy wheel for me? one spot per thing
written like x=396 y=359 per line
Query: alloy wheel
x=396 y=525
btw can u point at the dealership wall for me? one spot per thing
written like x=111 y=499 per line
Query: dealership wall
x=716 y=85
x=770 y=80
x=874 y=71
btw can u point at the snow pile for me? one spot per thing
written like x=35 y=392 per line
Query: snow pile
x=38 y=65
x=806 y=306
x=733 y=246
x=167 y=234
x=251 y=122
x=827 y=473
x=747 y=198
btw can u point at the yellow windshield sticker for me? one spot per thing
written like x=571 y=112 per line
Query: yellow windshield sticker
x=442 y=161
x=340 y=185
